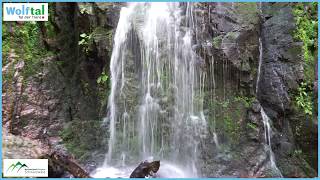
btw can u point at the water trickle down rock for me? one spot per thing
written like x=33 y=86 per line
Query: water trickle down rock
x=265 y=118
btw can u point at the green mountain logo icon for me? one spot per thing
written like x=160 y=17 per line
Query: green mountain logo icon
x=17 y=166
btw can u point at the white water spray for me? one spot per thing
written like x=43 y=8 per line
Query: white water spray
x=156 y=101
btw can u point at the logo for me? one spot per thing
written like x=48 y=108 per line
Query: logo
x=25 y=11
x=17 y=165
x=25 y=168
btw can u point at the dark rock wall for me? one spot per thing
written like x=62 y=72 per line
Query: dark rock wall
x=228 y=34
x=282 y=72
x=81 y=66
x=63 y=105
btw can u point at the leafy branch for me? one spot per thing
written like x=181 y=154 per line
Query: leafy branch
x=304 y=99
x=102 y=78
x=85 y=41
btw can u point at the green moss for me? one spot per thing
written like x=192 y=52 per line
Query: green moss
x=232 y=36
x=245 y=100
x=217 y=41
x=227 y=117
x=50 y=30
x=250 y=7
x=245 y=66
x=231 y=126
x=81 y=137
x=248 y=12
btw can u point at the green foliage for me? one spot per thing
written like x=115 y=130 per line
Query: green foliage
x=225 y=104
x=307 y=31
x=228 y=124
x=103 y=84
x=102 y=78
x=297 y=153
x=247 y=101
x=252 y=126
x=304 y=99
x=25 y=40
x=232 y=127
x=50 y=32
x=83 y=10
x=85 y=41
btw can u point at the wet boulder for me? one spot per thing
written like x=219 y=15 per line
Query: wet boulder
x=145 y=169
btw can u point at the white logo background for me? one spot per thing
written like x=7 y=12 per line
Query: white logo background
x=36 y=168
x=29 y=17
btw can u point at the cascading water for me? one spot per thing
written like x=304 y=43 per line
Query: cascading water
x=156 y=100
x=213 y=93
x=267 y=136
x=265 y=118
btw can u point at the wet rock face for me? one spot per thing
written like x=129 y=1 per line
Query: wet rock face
x=229 y=33
x=282 y=64
x=228 y=37
x=82 y=65
x=281 y=73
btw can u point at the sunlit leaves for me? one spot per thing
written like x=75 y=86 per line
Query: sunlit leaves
x=304 y=99
x=85 y=41
x=102 y=78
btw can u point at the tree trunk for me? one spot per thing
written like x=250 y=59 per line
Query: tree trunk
x=58 y=160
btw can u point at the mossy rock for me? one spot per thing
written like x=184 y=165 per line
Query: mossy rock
x=217 y=41
x=231 y=37
x=100 y=34
x=248 y=12
x=81 y=137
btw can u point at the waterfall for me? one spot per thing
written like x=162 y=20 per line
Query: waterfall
x=266 y=120
x=267 y=137
x=156 y=101
x=259 y=66
x=213 y=93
